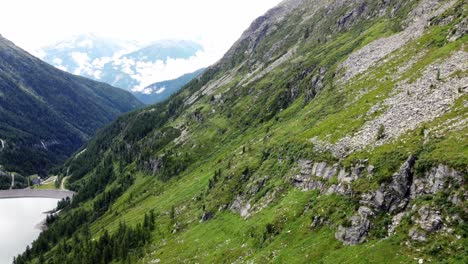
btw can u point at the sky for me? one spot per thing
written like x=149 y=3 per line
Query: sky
x=216 y=24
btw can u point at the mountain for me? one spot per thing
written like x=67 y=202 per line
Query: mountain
x=331 y=132
x=47 y=114
x=75 y=54
x=160 y=91
x=122 y=64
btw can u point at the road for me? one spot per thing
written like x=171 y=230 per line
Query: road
x=62 y=184
x=33 y=193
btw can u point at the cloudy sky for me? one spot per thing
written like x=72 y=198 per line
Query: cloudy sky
x=215 y=24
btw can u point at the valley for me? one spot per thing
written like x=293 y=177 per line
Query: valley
x=330 y=132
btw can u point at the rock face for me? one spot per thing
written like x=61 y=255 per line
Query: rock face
x=392 y=197
x=430 y=219
x=263 y=26
x=436 y=180
x=417 y=235
x=240 y=206
x=320 y=175
x=359 y=227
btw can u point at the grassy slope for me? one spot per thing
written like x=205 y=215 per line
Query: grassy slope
x=232 y=138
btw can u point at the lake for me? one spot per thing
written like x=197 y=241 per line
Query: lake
x=19 y=219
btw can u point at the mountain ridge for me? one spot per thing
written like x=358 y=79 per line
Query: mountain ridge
x=39 y=102
x=119 y=63
x=160 y=91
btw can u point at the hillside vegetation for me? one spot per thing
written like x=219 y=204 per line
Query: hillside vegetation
x=47 y=114
x=331 y=132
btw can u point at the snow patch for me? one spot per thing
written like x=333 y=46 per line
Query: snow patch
x=160 y=90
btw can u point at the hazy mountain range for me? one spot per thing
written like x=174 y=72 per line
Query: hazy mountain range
x=125 y=64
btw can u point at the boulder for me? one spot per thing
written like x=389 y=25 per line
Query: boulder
x=430 y=220
x=240 y=206
x=318 y=221
x=356 y=233
x=206 y=216
x=417 y=235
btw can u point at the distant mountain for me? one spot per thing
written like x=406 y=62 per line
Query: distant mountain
x=160 y=91
x=47 y=114
x=122 y=64
x=74 y=54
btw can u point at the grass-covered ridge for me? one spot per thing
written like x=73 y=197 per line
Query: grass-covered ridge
x=191 y=163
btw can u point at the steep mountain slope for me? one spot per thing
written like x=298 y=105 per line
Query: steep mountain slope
x=329 y=123
x=160 y=91
x=121 y=64
x=46 y=114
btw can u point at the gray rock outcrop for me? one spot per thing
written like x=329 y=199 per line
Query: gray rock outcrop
x=241 y=206
x=392 y=197
x=320 y=175
x=358 y=228
x=429 y=219
x=436 y=180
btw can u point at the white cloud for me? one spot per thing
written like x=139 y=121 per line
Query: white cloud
x=80 y=58
x=63 y=68
x=39 y=53
x=87 y=43
x=97 y=74
x=149 y=73
x=215 y=22
x=100 y=62
x=57 y=61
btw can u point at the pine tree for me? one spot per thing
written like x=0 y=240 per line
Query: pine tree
x=152 y=220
